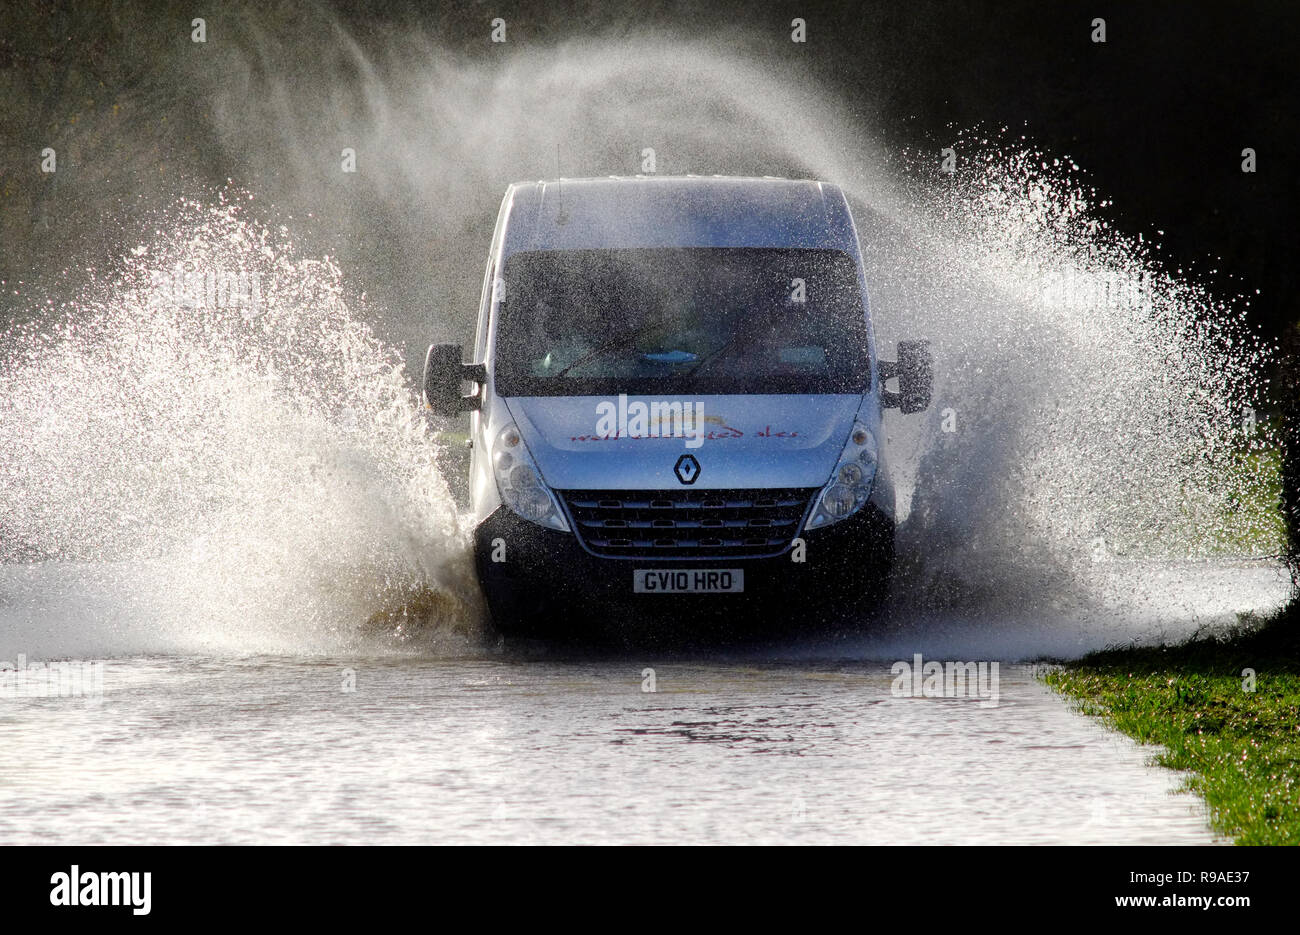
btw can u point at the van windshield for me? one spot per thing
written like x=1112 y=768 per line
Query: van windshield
x=697 y=320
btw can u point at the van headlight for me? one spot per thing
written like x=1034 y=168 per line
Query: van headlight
x=521 y=485
x=850 y=484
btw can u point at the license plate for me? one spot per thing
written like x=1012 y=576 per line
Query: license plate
x=691 y=581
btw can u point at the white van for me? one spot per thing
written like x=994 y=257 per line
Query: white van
x=676 y=404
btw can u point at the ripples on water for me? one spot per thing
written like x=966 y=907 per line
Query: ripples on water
x=265 y=750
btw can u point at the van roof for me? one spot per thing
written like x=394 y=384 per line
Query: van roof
x=676 y=211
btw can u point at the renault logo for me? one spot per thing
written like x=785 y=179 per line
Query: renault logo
x=687 y=469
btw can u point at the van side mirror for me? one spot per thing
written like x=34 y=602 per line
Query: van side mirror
x=915 y=372
x=443 y=375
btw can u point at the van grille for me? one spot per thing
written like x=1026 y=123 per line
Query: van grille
x=687 y=523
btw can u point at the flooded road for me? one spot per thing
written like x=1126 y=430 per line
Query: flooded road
x=214 y=490
x=495 y=750
x=802 y=742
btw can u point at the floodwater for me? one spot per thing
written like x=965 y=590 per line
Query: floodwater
x=797 y=743
x=233 y=519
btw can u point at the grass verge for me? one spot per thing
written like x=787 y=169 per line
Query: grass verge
x=1241 y=746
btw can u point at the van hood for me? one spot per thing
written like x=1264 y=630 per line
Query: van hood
x=628 y=443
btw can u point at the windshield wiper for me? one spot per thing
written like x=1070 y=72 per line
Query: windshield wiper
x=746 y=336
x=612 y=344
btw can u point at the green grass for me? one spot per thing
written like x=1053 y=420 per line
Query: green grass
x=1241 y=748
x=1250 y=520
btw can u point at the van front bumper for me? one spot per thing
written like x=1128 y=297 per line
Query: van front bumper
x=541 y=582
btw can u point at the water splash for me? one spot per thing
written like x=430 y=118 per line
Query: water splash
x=252 y=465
x=276 y=467
x=1089 y=405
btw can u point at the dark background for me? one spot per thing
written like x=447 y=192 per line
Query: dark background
x=1157 y=116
